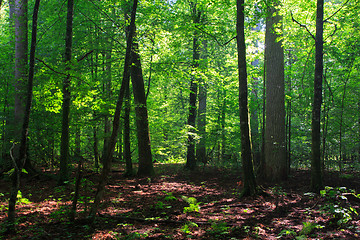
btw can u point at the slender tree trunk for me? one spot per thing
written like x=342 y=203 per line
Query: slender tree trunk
x=316 y=173
x=341 y=119
x=64 y=146
x=261 y=170
x=250 y=187
x=96 y=149
x=107 y=93
x=358 y=130
x=19 y=161
x=190 y=156
x=275 y=148
x=72 y=213
x=201 y=122
x=127 y=150
x=289 y=115
x=116 y=121
x=78 y=141
x=223 y=150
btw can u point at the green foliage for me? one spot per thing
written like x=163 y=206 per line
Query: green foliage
x=169 y=196
x=308 y=227
x=21 y=199
x=194 y=206
x=159 y=205
x=187 y=227
x=219 y=228
x=337 y=205
x=278 y=190
x=286 y=233
x=347 y=176
x=61 y=214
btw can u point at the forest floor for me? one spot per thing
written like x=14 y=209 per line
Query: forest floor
x=177 y=204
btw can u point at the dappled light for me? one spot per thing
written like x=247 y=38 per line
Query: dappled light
x=179 y=205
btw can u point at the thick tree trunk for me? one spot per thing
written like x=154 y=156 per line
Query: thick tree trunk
x=20 y=159
x=64 y=146
x=142 y=123
x=275 y=168
x=316 y=173
x=250 y=187
x=190 y=156
x=21 y=68
x=116 y=121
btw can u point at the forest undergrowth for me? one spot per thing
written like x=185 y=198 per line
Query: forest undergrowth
x=179 y=204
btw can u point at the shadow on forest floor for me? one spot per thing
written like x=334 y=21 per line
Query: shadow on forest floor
x=178 y=204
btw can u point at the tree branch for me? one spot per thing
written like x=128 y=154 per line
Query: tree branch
x=52 y=69
x=214 y=37
x=333 y=31
x=337 y=11
x=85 y=56
x=302 y=25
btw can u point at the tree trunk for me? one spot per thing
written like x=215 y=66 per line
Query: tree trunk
x=341 y=119
x=275 y=168
x=64 y=146
x=96 y=149
x=127 y=150
x=107 y=94
x=316 y=173
x=142 y=123
x=21 y=68
x=201 y=120
x=190 y=157
x=289 y=116
x=250 y=187
x=19 y=161
x=116 y=121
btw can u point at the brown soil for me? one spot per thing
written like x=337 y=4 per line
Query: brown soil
x=159 y=208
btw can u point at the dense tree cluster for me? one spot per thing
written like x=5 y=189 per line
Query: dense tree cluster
x=275 y=83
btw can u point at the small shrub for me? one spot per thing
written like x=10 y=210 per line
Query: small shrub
x=194 y=206
x=337 y=204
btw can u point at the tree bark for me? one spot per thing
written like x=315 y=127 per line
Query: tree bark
x=316 y=173
x=107 y=94
x=20 y=22
x=64 y=145
x=116 y=121
x=190 y=157
x=127 y=150
x=275 y=168
x=142 y=123
x=201 y=120
x=250 y=187
x=19 y=161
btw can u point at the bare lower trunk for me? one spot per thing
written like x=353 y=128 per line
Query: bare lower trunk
x=201 y=122
x=127 y=150
x=64 y=146
x=142 y=122
x=275 y=168
x=112 y=141
x=19 y=160
x=190 y=157
x=250 y=187
x=316 y=173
